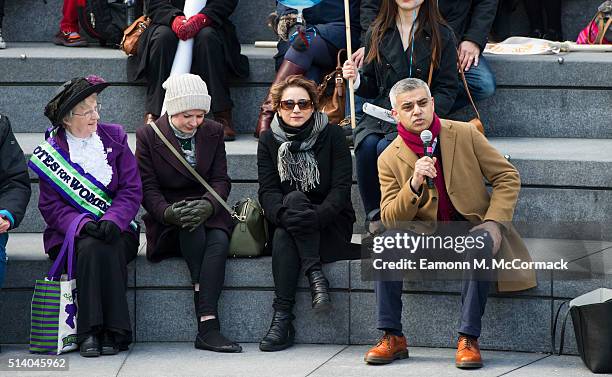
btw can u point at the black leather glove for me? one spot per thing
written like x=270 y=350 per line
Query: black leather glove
x=195 y=212
x=172 y=214
x=110 y=230
x=300 y=222
x=92 y=228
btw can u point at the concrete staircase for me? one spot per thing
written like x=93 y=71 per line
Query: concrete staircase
x=550 y=116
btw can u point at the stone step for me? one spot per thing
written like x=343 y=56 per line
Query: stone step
x=250 y=19
x=556 y=174
x=173 y=359
x=161 y=302
x=536 y=97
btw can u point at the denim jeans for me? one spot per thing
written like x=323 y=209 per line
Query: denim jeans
x=366 y=156
x=481 y=82
x=3 y=241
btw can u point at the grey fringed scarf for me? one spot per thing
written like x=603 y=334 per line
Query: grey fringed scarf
x=296 y=160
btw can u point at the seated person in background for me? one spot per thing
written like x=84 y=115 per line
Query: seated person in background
x=216 y=54
x=305 y=175
x=313 y=53
x=106 y=237
x=183 y=218
x=68 y=34
x=407 y=39
x=463 y=153
x=471 y=21
x=544 y=19
x=14 y=187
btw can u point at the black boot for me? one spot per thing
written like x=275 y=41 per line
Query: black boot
x=210 y=338
x=108 y=346
x=281 y=333
x=90 y=346
x=319 y=290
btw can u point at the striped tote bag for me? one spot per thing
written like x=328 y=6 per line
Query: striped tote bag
x=53 y=325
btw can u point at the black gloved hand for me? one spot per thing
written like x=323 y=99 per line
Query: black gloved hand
x=110 y=230
x=299 y=222
x=195 y=212
x=92 y=228
x=172 y=214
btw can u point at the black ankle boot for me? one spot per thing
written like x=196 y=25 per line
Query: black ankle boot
x=210 y=338
x=281 y=333
x=319 y=289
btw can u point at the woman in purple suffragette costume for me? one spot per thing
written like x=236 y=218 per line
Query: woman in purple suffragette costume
x=96 y=158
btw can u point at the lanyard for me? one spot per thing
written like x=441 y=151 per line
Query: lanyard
x=412 y=42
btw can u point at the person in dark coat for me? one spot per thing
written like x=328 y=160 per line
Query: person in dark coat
x=312 y=53
x=14 y=187
x=216 y=54
x=471 y=21
x=395 y=49
x=183 y=218
x=305 y=177
x=99 y=158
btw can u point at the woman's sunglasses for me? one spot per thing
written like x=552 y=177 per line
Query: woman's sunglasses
x=289 y=104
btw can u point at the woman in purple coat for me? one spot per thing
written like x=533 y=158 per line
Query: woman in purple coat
x=90 y=192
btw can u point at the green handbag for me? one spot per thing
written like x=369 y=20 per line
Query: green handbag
x=251 y=228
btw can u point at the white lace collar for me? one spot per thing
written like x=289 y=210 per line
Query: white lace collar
x=89 y=154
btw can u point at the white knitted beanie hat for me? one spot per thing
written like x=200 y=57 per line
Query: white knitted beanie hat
x=185 y=92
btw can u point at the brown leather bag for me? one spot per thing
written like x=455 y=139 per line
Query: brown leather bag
x=131 y=35
x=334 y=105
x=475 y=121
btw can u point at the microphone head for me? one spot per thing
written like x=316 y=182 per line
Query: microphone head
x=426 y=136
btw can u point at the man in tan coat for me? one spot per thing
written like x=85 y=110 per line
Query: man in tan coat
x=461 y=158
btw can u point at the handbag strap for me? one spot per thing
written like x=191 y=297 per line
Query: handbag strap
x=193 y=172
x=554 y=329
x=467 y=90
x=602 y=30
x=66 y=251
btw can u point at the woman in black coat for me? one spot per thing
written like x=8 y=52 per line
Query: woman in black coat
x=214 y=37
x=406 y=40
x=305 y=176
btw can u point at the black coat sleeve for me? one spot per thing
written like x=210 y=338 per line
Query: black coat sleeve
x=480 y=21
x=368 y=10
x=342 y=179
x=219 y=10
x=163 y=12
x=270 y=192
x=14 y=178
x=445 y=84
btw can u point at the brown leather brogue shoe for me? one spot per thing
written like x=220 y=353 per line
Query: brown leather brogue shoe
x=389 y=348
x=468 y=353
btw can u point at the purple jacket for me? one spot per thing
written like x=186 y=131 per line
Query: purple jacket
x=125 y=188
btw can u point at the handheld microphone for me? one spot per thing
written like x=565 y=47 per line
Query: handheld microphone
x=426 y=137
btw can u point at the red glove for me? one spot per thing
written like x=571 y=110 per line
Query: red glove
x=178 y=25
x=195 y=24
